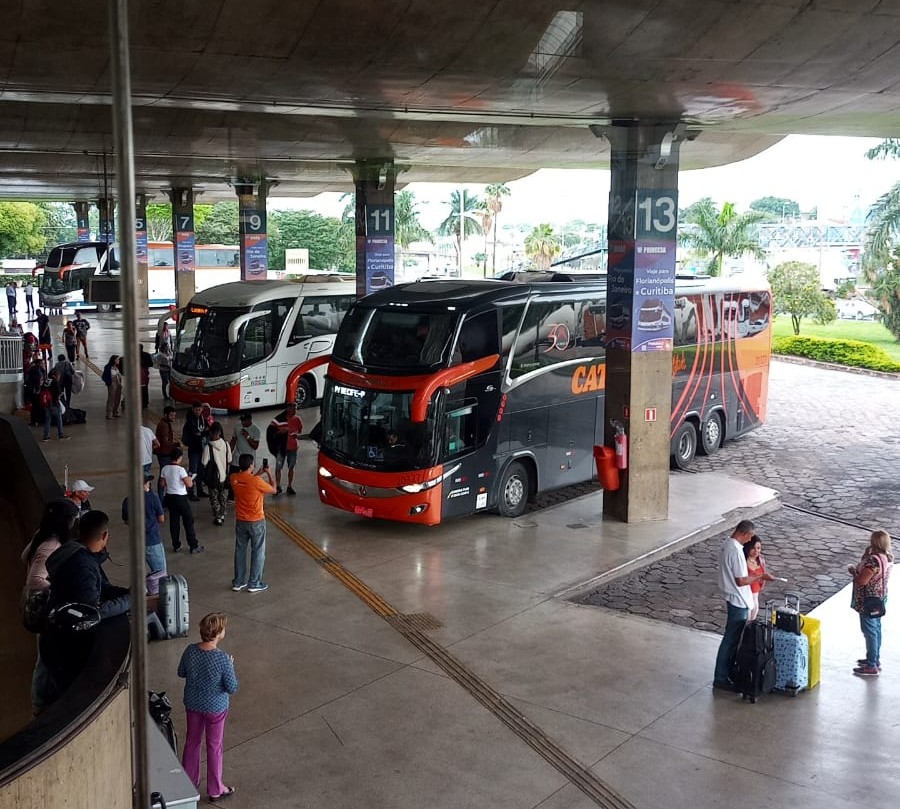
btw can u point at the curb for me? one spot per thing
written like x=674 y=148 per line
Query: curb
x=832 y=366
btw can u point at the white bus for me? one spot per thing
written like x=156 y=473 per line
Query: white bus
x=237 y=344
x=70 y=266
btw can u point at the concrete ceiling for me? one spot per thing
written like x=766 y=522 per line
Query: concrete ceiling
x=457 y=91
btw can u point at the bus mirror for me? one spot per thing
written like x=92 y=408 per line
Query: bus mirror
x=235 y=326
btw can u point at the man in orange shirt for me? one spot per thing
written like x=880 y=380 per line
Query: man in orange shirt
x=250 y=523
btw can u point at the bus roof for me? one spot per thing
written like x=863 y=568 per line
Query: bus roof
x=465 y=294
x=248 y=293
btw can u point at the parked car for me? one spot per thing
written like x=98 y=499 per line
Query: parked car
x=856 y=309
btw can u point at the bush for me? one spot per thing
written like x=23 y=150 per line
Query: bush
x=841 y=352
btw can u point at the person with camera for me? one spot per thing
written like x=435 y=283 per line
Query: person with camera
x=870 y=589
x=250 y=487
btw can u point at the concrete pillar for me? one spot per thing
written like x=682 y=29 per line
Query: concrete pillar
x=640 y=308
x=183 y=232
x=82 y=219
x=252 y=226
x=141 y=252
x=374 y=181
x=107 y=208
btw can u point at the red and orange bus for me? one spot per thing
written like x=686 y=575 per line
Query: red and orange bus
x=445 y=398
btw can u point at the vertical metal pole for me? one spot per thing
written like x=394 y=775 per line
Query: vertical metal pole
x=125 y=185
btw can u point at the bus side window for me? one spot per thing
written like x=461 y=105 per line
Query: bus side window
x=547 y=336
x=478 y=337
x=511 y=316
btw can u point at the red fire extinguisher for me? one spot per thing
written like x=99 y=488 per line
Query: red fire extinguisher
x=621 y=442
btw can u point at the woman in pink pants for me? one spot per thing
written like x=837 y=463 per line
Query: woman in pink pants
x=209 y=679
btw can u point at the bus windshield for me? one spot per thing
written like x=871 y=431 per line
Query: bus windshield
x=65 y=256
x=372 y=429
x=395 y=338
x=203 y=345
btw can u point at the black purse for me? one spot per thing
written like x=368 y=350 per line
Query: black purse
x=874 y=606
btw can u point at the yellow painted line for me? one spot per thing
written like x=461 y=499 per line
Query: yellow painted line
x=361 y=590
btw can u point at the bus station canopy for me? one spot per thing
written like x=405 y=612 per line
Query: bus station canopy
x=461 y=91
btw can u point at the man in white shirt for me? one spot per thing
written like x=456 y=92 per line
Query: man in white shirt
x=149 y=445
x=734 y=582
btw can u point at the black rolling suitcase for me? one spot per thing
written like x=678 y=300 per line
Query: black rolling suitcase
x=753 y=672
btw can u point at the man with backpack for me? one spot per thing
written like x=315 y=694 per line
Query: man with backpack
x=52 y=408
x=66 y=372
x=193 y=436
x=77 y=577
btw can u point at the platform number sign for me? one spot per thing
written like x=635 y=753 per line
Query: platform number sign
x=656 y=214
x=140 y=224
x=380 y=220
x=253 y=222
x=184 y=222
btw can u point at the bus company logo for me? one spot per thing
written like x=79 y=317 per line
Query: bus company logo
x=195 y=383
x=345 y=391
x=679 y=363
x=362 y=491
x=589 y=378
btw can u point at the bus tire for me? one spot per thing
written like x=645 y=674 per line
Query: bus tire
x=711 y=434
x=104 y=307
x=515 y=485
x=684 y=446
x=304 y=396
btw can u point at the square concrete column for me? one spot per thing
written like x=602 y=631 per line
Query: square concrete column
x=183 y=229
x=82 y=219
x=252 y=226
x=141 y=252
x=107 y=208
x=374 y=181
x=640 y=308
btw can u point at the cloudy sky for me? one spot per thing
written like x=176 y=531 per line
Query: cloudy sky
x=829 y=172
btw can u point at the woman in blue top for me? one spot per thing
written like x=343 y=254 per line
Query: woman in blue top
x=210 y=678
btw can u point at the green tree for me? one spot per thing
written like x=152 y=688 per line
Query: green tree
x=462 y=221
x=159 y=222
x=880 y=251
x=22 y=229
x=541 y=245
x=495 y=193
x=318 y=234
x=797 y=291
x=219 y=225
x=776 y=209
x=61 y=224
x=721 y=233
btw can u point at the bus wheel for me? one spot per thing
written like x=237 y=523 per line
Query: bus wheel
x=304 y=394
x=684 y=446
x=514 y=489
x=104 y=307
x=711 y=434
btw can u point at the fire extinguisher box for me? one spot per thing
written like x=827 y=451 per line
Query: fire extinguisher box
x=605 y=458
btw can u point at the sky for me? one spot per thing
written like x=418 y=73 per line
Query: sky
x=831 y=173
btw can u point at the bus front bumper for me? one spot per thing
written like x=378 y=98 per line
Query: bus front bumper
x=374 y=502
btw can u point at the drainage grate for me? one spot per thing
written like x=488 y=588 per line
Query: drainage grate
x=423 y=621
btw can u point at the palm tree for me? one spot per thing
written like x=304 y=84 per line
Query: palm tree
x=721 y=233
x=407 y=227
x=462 y=221
x=487 y=217
x=541 y=245
x=495 y=193
x=881 y=256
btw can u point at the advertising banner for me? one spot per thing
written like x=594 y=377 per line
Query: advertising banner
x=653 y=300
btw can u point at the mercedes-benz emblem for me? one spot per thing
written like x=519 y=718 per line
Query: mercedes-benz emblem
x=363 y=491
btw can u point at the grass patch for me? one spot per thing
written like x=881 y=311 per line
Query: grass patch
x=843 y=352
x=866 y=331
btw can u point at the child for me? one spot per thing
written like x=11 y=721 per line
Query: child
x=209 y=679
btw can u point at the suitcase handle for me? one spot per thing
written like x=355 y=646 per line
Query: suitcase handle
x=792 y=597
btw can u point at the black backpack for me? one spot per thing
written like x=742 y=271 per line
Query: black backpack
x=211 y=474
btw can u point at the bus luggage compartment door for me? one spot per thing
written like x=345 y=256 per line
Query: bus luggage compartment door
x=569 y=457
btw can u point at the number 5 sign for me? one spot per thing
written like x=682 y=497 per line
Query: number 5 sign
x=656 y=213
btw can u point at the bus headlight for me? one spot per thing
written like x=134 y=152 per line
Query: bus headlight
x=324 y=473
x=415 y=488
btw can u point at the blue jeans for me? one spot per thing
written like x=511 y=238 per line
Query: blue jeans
x=54 y=414
x=871 y=629
x=737 y=617
x=195 y=456
x=155 y=556
x=254 y=535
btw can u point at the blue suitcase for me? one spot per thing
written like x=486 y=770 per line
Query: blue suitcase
x=791 y=661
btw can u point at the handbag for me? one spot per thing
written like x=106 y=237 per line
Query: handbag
x=874 y=606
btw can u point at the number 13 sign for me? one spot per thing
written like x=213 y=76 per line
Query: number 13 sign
x=656 y=213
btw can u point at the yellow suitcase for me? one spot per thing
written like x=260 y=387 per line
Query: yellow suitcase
x=812 y=628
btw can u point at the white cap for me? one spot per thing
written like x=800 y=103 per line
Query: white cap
x=81 y=486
